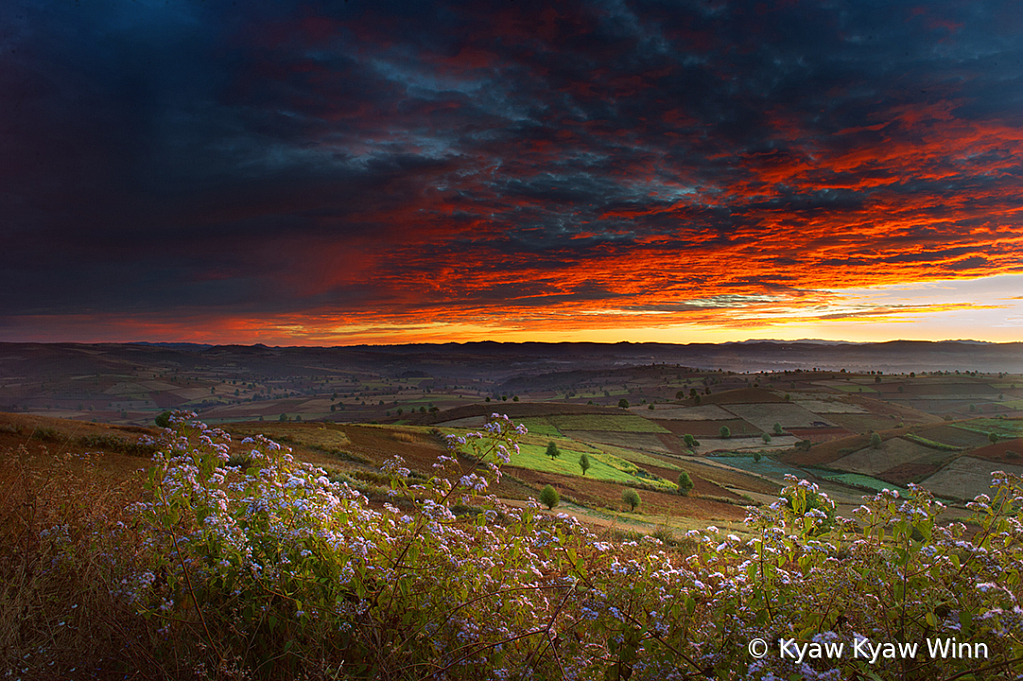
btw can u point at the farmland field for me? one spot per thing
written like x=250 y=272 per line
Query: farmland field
x=707 y=412
x=624 y=423
x=1003 y=427
x=966 y=477
x=603 y=466
x=706 y=429
x=862 y=423
x=863 y=481
x=764 y=416
x=829 y=406
x=767 y=467
x=648 y=442
x=893 y=452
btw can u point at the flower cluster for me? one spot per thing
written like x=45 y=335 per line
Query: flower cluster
x=278 y=565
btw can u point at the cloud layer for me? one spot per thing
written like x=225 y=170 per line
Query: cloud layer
x=383 y=171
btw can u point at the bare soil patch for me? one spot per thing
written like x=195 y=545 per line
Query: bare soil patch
x=906 y=473
x=702 y=429
x=1006 y=450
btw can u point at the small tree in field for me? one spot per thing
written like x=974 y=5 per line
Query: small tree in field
x=725 y=432
x=552 y=450
x=689 y=439
x=685 y=484
x=756 y=457
x=993 y=436
x=549 y=497
x=630 y=497
x=778 y=429
x=623 y=403
x=875 y=441
x=766 y=437
x=584 y=463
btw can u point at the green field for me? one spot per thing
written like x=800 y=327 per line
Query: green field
x=621 y=423
x=602 y=466
x=540 y=425
x=637 y=457
x=1004 y=427
x=767 y=466
x=912 y=437
x=855 y=388
x=862 y=481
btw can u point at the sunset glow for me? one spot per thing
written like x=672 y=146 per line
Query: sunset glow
x=342 y=173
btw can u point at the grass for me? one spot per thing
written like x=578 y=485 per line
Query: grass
x=603 y=466
x=638 y=457
x=540 y=425
x=58 y=610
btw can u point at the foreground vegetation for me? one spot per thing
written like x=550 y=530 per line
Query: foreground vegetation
x=234 y=560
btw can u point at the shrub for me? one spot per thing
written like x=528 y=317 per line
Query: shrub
x=725 y=432
x=993 y=437
x=163 y=420
x=549 y=497
x=280 y=572
x=630 y=497
x=685 y=484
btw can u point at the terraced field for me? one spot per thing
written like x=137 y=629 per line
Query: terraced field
x=829 y=406
x=966 y=477
x=624 y=423
x=863 y=482
x=764 y=416
x=707 y=412
x=894 y=452
x=647 y=442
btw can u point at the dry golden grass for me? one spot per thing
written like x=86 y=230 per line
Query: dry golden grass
x=59 y=533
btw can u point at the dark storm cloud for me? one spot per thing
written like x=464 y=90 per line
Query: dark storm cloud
x=285 y=157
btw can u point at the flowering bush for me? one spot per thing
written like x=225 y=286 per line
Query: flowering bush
x=276 y=571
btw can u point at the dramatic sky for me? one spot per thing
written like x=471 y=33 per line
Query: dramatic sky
x=370 y=171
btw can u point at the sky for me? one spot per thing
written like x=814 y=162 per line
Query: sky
x=340 y=172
